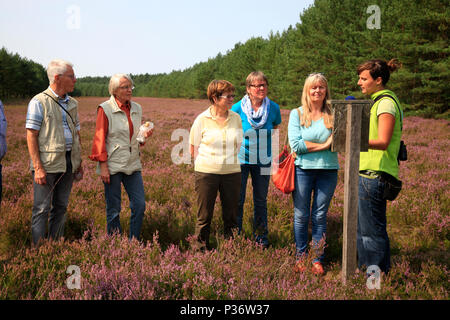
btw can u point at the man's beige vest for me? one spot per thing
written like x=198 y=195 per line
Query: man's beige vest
x=123 y=154
x=51 y=141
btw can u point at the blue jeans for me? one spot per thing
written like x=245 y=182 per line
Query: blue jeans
x=50 y=204
x=260 y=185
x=372 y=239
x=320 y=183
x=134 y=187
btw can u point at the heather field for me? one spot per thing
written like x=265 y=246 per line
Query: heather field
x=164 y=266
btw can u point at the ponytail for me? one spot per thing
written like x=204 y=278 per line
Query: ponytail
x=394 y=65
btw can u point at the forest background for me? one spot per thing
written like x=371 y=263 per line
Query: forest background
x=332 y=37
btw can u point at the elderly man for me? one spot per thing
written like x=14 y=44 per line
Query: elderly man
x=55 y=150
x=2 y=142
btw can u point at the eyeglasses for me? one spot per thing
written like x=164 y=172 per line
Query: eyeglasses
x=230 y=96
x=127 y=88
x=71 y=76
x=259 y=86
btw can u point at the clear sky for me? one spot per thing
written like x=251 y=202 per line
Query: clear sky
x=103 y=37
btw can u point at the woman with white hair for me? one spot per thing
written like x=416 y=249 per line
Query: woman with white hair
x=117 y=151
x=309 y=132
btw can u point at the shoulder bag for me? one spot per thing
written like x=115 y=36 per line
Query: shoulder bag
x=283 y=176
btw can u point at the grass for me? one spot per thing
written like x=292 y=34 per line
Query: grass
x=164 y=265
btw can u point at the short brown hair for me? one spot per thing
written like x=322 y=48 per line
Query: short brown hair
x=217 y=87
x=380 y=68
x=255 y=75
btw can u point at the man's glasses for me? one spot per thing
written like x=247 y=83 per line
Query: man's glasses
x=71 y=76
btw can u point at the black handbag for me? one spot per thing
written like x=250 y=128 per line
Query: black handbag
x=392 y=187
x=402 y=152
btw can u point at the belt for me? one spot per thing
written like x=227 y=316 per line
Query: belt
x=377 y=174
x=369 y=174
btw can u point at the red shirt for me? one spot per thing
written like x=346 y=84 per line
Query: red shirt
x=101 y=131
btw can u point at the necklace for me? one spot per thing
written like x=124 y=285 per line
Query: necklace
x=215 y=117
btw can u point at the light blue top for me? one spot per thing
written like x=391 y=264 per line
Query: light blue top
x=316 y=132
x=2 y=131
x=35 y=118
x=256 y=146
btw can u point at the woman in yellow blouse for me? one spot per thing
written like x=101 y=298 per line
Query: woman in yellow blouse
x=215 y=140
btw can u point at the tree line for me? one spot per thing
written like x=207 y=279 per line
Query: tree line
x=332 y=37
x=20 y=77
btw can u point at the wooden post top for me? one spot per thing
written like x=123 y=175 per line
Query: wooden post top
x=339 y=108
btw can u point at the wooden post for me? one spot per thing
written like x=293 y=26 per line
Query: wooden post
x=351 y=186
x=350 y=135
x=340 y=108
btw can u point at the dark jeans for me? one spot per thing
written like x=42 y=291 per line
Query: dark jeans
x=260 y=184
x=206 y=186
x=134 y=187
x=50 y=204
x=372 y=239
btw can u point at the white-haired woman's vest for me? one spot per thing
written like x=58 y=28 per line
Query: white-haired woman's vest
x=123 y=154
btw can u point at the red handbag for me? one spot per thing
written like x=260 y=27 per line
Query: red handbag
x=283 y=176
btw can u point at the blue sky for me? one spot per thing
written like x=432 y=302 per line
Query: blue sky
x=132 y=36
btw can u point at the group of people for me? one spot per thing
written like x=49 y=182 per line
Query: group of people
x=54 y=144
x=229 y=142
x=316 y=166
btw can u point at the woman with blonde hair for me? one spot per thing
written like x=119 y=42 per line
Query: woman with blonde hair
x=310 y=136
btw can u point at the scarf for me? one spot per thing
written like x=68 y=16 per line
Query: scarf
x=263 y=112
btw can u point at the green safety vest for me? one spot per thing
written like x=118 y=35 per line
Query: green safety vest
x=383 y=160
